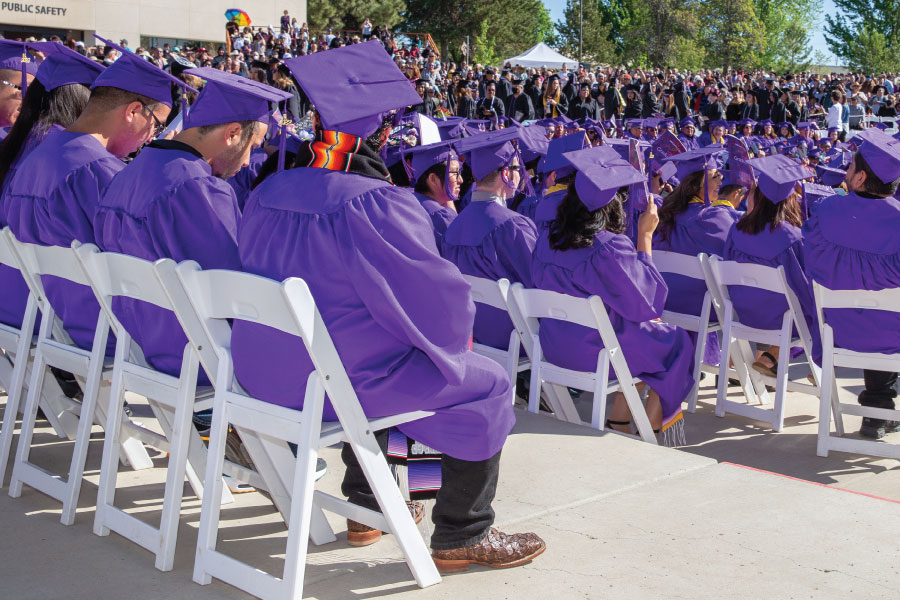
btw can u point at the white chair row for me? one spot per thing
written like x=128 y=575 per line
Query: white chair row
x=527 y=307
x=205 y=303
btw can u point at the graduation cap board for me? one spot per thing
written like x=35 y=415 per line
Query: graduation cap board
x=353 y=87
x=67 y=67
x=597 y=182
x=134 y=74
x=778 y=175
x=15 y=57
x=422 y=158
x=882 y=153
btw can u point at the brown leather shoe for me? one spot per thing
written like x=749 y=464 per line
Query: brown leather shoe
x=497 y=550
x=363 y=535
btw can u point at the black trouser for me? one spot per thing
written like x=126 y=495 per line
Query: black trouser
x=462 y=511
x=881 y=389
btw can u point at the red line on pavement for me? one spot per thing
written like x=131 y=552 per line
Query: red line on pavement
x=825 y=485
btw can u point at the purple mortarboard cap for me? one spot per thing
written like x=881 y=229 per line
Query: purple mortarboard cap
x=815 y=192
x=229 y=98
x=777 y=176
x=813 y=153
x=425 y=157
x=830 y=176
x=651 y=123
x=687 y=121
x=597 y=182
x=489 y=151
x=534 y=143
x=745 y=122
x=635 y=123
x=667 y=171
x=833 y=129
x=11 y=57
x=134 y=74
x=695 y=160
x=720 y=123
x=666 y=123
x=802 y=125
x=883 y=126
x=555 y=161
x=882 y=154
x=767 y=122
x=353 y=87
x=67 y=67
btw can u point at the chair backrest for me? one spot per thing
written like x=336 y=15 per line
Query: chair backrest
x=487 y=291
x=10 y=256
x=718 y=302
x=543 y=304
x=218 y=296
x=119 y=275
x=771 y=279
x=679 y=264
x=884 y=300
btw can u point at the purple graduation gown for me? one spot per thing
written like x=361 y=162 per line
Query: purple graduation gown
x=781 y=247
x=241 y=181
x=690 y=143
x=851 y=243
x=13 y=291
x=491 y=241
x=400 y=315
x=634 y=293
x=166 y=204
x=441 y=216
x=52 y=201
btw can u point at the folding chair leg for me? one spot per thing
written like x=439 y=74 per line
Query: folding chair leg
x=698 y=363
x=724 y=359
x=781 y=389
x=601 y=383
x=112 y=446
x=827 y=389
x=14 y=393
x=534 y=390
x=836 y=408
x=29 y=414
x=213 y=484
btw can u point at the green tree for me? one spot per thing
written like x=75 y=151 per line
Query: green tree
x=655 y=29
x=350 y=14
x=596 y=45
x=864 y=25
x=732 y=33
x=782 y=21
x=794 y=53
x=871 y=51
x=321 y=14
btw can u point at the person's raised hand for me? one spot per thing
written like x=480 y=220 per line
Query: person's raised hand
x=648 y=220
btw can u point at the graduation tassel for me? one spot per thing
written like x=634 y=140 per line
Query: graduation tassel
x=25 y=60
x=282 y=143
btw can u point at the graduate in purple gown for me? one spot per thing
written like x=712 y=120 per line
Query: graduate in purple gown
x=400 y=315
x=53 y=101
x=584 y=253
x=487 y=239
x=556 y=171
x=693 y=220
x=435 y=174
x=715 y=135
x=769 y=234
x=172 y=201
x=242 y=181
x=57 y=188
x=688 y=129
x=851 y=243
x=12 y=80
x=635 y=129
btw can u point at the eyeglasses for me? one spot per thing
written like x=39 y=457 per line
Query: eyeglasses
x=12 y=85
x=159 y=125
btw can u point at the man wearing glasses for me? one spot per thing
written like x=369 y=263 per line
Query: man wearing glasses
x=11 y=83
x=56 y=190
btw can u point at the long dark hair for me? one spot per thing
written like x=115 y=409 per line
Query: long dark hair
x=575 y=226
x=39 y=111
x=677 y=202
x=765 y=212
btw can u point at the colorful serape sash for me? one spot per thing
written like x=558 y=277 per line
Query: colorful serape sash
x=337 y=151
x=423 y=465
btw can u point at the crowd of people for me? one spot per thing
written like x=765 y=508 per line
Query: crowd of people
x=564 y=181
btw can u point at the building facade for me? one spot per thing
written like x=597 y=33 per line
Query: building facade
x=153 y=21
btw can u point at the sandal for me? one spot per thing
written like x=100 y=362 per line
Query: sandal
x=761 y=367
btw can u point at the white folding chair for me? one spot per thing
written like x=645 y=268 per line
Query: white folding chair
x=533 y=306
x=54 y=348
x=495 y=294
x=887 y=300
x=215 y=297
x=689 y=266
x=731 y=273
x=172 y=400
x=15 y=343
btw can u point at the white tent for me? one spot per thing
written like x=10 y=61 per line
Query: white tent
x=541 y=55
